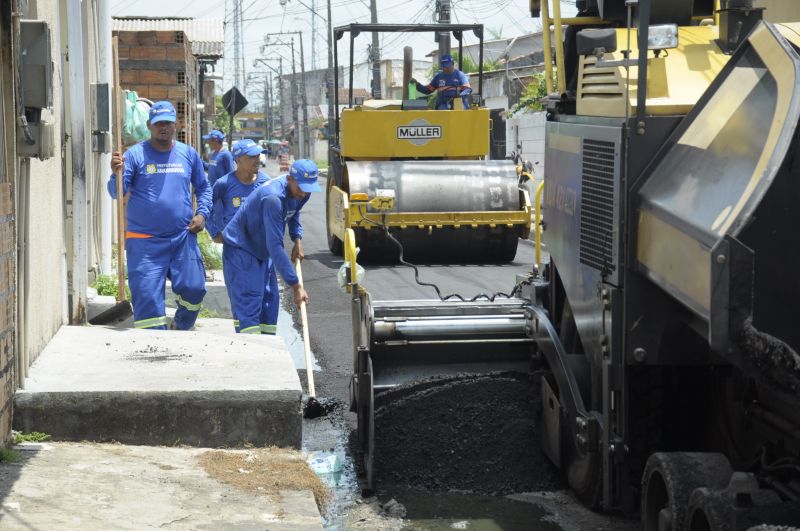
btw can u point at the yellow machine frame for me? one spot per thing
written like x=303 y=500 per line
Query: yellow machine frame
x=375 y=134
x=351 y=212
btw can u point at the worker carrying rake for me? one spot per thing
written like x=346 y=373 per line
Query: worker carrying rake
x=254 y=248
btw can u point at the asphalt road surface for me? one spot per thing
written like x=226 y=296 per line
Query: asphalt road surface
x=331 y=341
x=329 y=306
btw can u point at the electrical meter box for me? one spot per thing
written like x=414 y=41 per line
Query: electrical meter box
x=43 y=141
x=36 y=64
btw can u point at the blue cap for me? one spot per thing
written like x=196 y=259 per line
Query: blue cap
x=247 y=147
x=162 y=111
x=305 y=172
x=216 y=134
x=446 y=60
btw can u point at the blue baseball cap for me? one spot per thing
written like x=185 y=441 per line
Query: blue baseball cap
x=446 y=60
x=162 y=111
x=216 y=134
x=247 y=147
x=305 y=172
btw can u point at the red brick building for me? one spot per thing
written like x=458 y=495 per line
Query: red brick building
x=168 y=59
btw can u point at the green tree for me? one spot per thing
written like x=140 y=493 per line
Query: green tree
x=222 y=120
x=531 y=98
x=471 y=67
x=495 y=33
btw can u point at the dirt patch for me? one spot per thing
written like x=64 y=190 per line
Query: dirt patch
x=265 y=471
x=476 y=434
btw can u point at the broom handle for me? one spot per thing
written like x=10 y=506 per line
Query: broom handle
x=306 y=341
x=121 y=295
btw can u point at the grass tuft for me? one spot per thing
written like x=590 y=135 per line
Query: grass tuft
x=34 y=436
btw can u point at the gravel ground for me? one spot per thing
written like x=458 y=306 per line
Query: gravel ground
x=473 y=434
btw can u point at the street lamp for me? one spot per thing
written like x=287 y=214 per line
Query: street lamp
x=329 y=76
x=303 y=134
x=279 y=72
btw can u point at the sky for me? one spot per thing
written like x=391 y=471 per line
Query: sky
x=507 y=18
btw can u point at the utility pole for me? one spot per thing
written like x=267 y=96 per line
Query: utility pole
x=280 y=96
x=270 y=119
x=375 y=52
x=267 y=80
x=329 y=86
x=295 y=118
x=313 y=35
x=237 y=37
x=304 y=100
x=443 y=8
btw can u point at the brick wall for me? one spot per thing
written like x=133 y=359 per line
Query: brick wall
x=159 y=65
x=7 y=308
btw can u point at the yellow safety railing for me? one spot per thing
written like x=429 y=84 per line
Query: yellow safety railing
x=537 y=201
x=350 y=254
x=557 y=23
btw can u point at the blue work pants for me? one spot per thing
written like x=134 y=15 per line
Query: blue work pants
x=151 y=261
x=253 y=290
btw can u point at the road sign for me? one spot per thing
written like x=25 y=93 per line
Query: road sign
x=233 y=101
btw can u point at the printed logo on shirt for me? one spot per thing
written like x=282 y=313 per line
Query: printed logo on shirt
x=236 y=202
x=212 y=162
x=169 y=167
x=289 y=214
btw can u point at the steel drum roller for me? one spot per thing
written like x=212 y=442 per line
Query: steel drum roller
x=439 y=186
x=445 y=186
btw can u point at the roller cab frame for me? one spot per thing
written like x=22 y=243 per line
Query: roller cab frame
x=393 y=150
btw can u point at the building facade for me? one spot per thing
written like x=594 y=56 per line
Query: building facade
x=168 y=58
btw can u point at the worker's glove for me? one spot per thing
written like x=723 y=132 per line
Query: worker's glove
x=466 y=92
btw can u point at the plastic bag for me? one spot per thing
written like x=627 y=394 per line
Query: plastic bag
x=343 y=277
x=134 y=119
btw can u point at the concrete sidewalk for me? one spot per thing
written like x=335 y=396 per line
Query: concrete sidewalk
x=165 y=389
x=159 y=387
x=90 y=486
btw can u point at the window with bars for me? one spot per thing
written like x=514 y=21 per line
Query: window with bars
x=179 y=37
x=181 y=78
x=181 y=136
x=180 y=107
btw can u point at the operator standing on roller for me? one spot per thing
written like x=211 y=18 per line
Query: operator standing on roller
x=161 y=241
x=254 y=248
x=448 y=84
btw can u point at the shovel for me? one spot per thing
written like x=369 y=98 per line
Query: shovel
x=312 y=408
x=123 y=309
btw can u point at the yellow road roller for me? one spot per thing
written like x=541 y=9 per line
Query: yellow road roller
x=421 y=175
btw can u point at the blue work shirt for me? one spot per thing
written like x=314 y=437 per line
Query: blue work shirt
x=219 y=164
x=259 y=226
x=227 y=196
x=160 y=185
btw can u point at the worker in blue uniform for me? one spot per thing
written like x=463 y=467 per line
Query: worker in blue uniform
x=162 y=226
x=220 y=161
x=230 y=193
x=254 y=248
x=448 y=84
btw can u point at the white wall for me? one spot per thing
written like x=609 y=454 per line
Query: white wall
x=525 y=135
x=46 y=291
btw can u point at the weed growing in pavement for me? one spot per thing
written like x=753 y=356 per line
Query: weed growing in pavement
x=212 y=258
x=107 y=285
x=207 y=313
x=34 y=436
x=9 y=456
